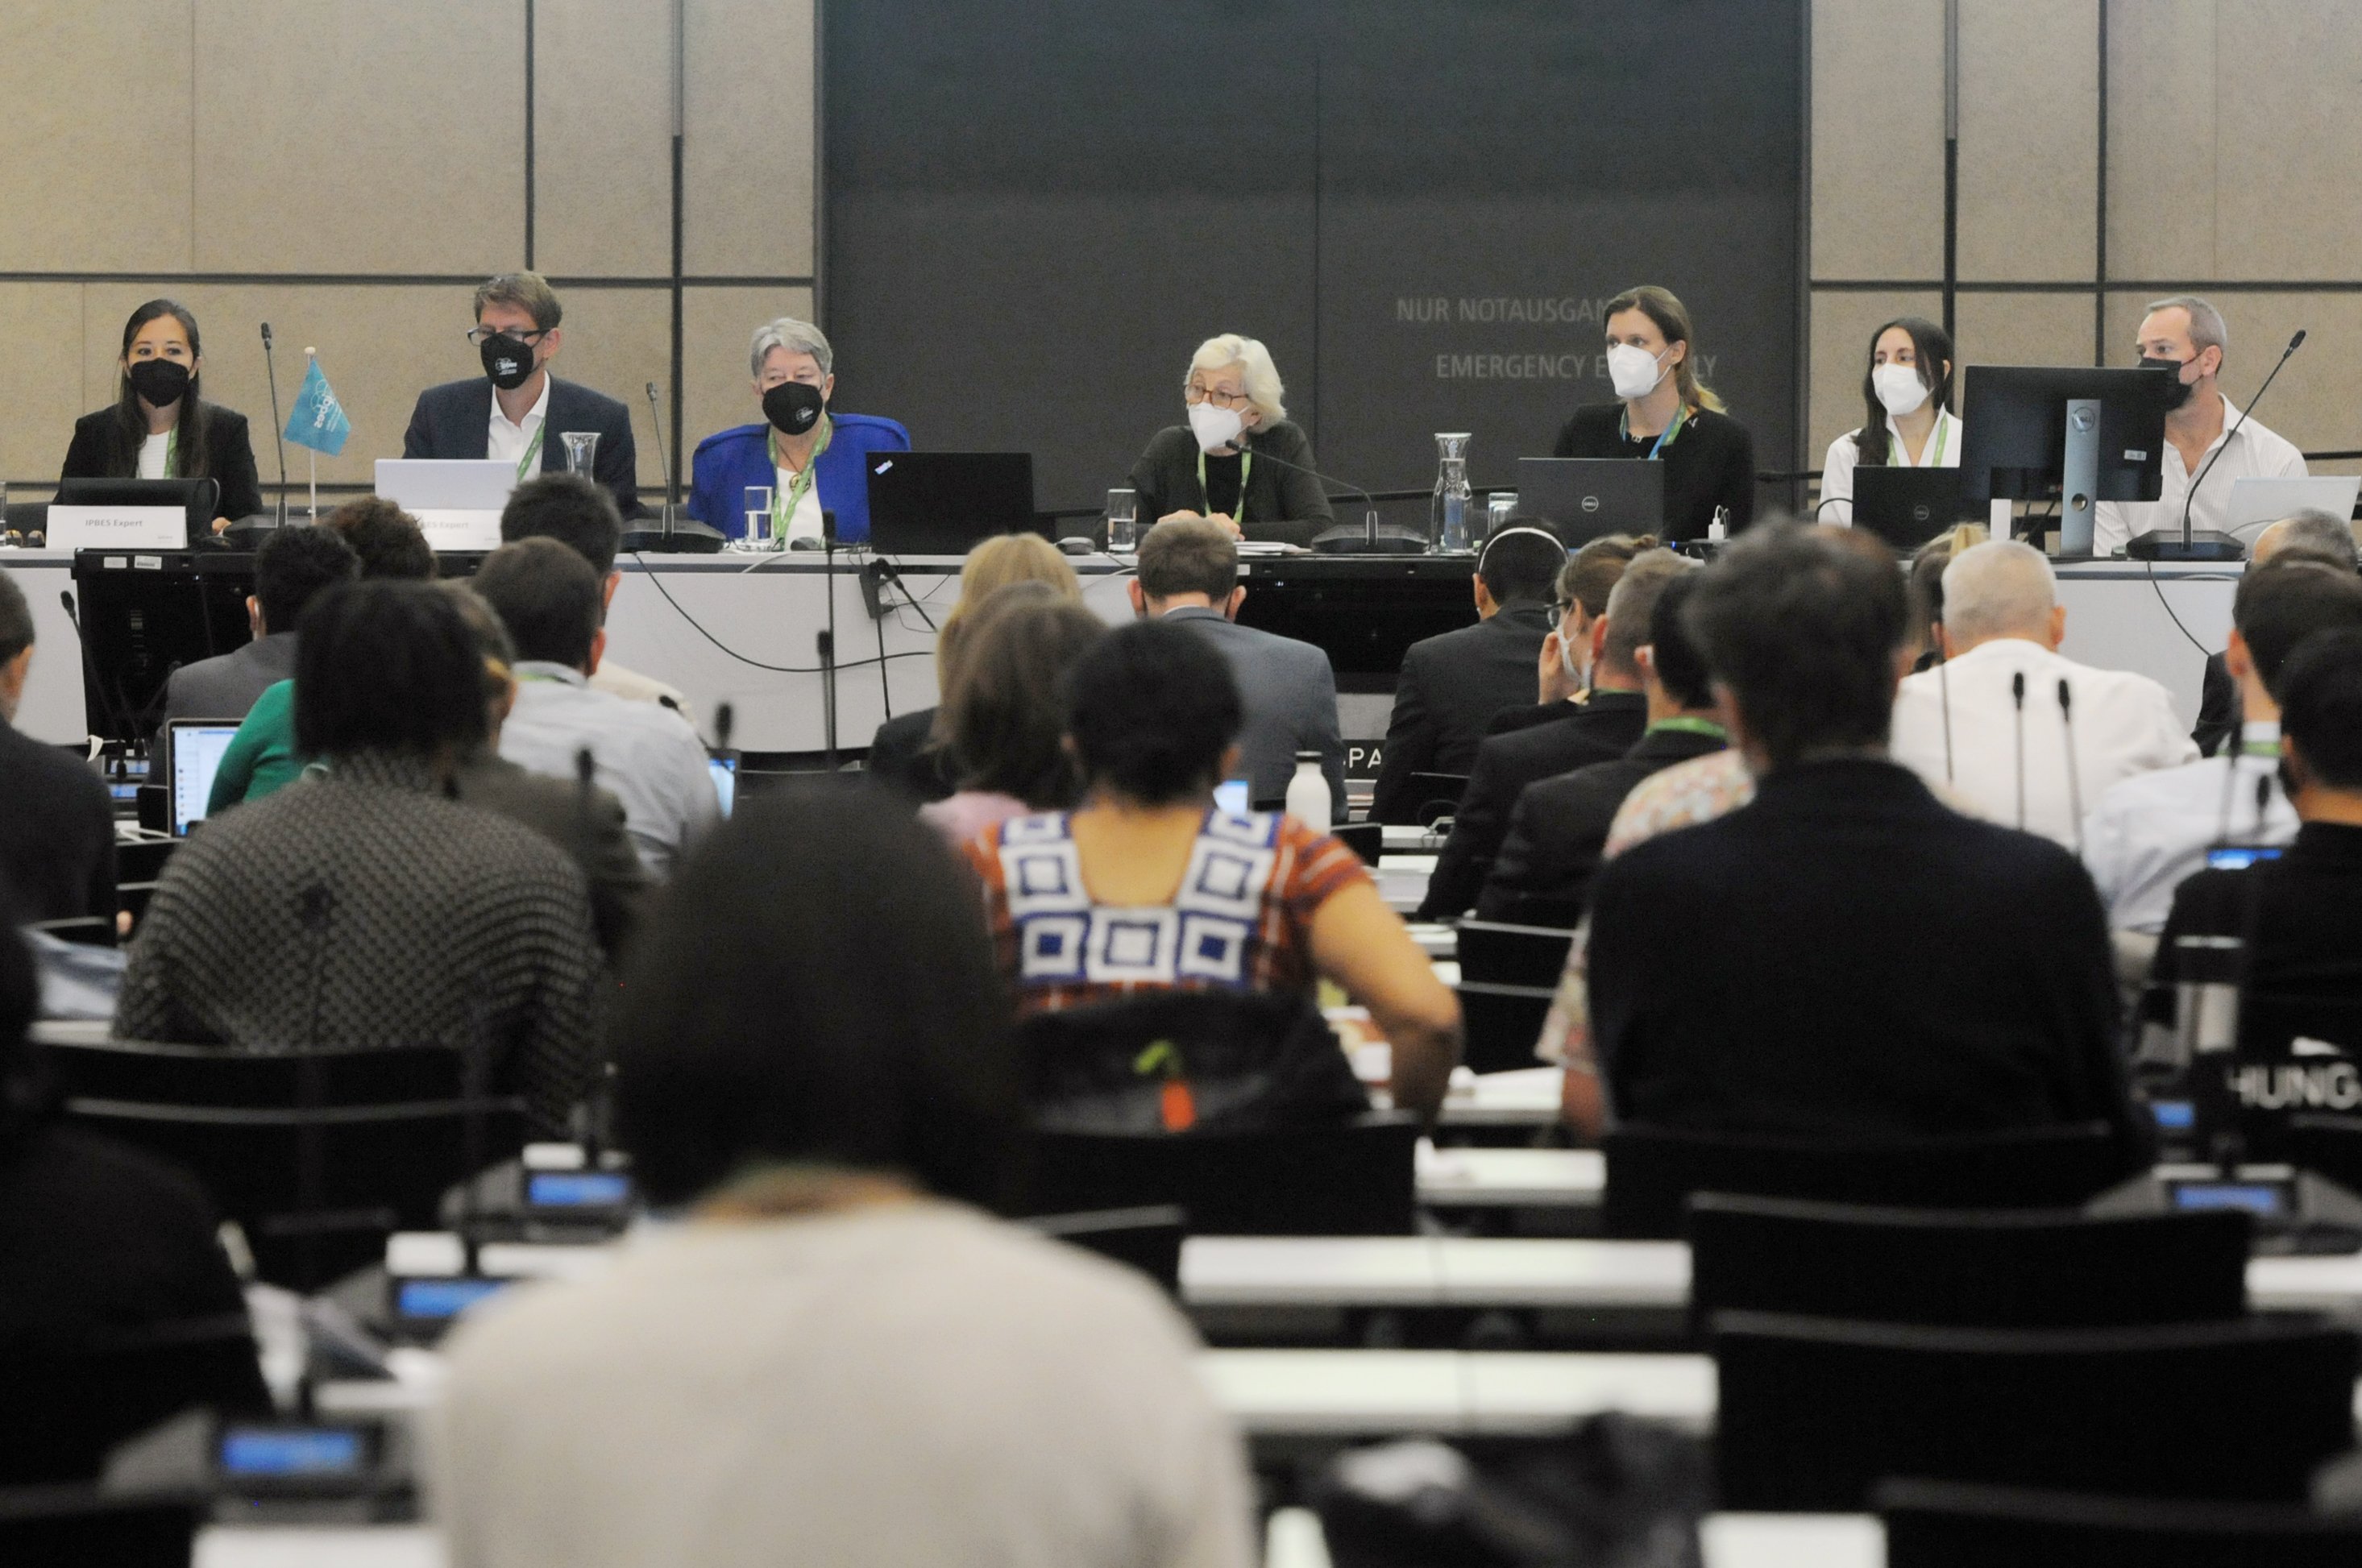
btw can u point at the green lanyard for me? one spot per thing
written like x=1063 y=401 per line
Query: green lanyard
x=1664 y=436
x=1682 y=723
x=532 y=450
x=785 y=501
x=1935 y=444
x=1246 y=467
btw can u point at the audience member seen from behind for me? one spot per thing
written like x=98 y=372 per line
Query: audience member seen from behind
x=582 y=516
x=2297 y=914
x=1907 y=420
x=262 y=756
x=159 y=426
x=293 y=567
x=1881 y=967
x=1453 y=685
x=1990 y=725
x=363 y=907
x=910 y=750
x=547 y=597
x=821 y=1085
x=1007 y=717
x=1260 y=903
x=2317 y=533
x=57 y=837
x=1206 y=467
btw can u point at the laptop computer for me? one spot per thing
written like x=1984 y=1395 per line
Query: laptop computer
x=1585 y=499
x=1906 y=507
x=193 y=749
x=946 y=504
x=457 y=501
x=2258 y=503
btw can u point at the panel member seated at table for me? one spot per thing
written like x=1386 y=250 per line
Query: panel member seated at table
x=1152 y=714
x=1453 y=685
x=1907 y=421
x=159 y=426
x=294 y=567
x=516 y=411
x=836 y=1355
x=581 y=516
x=809 y=457
x=1207 y=467
x=1844 y=957
x=1664 y=413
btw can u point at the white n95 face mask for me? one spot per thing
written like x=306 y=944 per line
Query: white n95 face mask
x=1635 y=372
x=1214 y=428
x=1899 y=388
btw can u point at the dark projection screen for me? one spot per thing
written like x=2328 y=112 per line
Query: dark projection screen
x=1032 y=216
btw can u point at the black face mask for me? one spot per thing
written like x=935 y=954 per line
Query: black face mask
x=793 y=407
x=2181 y=389
x=160 y=381
x=508 y=360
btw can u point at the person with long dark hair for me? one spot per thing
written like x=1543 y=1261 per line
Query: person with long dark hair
x=159 y=426
x=1907 y=418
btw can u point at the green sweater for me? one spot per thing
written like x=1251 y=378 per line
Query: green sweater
x=262 y=757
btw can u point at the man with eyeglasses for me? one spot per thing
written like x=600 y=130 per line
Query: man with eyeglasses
x=516 y=411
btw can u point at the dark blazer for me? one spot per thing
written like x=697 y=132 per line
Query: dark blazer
x=101 y=451
x=57 y=837
x=596 y=840
x=899 y=755
x=1289 y=693
x=454 y=420
x=1599 y=730
x=1542 y=875
x=1845 y=957
x=2220 y=711
x=2301 y=912
x=225 y=686
x=1283 y=503
x=1451 y=688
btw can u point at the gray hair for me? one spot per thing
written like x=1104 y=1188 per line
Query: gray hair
x=1998 y=589
x=794 y=335
x=2324 y=533
x=2206 y=328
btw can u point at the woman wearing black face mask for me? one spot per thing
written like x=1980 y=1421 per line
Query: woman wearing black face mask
x=803 y=456
x=159 y=426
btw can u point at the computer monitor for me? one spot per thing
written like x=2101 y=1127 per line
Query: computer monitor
x=194 y=747
x=196 y=497
x=2035 y=432
x=946 y=503
x=1906 y=507
x=1585 y=499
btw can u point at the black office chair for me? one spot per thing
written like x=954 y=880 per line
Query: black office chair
x=1814 y=1412
x=82 y=1525
x=1935 y=1524
x=1350 y=1179
x=2036 y=1268
x=1146 y=1238
x=1652 y=1171
x=62 y=1409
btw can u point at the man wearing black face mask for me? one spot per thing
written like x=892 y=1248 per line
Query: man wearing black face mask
x=516 y=411
x=2185 y=335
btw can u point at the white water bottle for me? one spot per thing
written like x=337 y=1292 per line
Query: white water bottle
x=1307 y=792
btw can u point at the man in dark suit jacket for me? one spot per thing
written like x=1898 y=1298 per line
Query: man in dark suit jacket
x=1452 y=685
x=1604 y=726
x=1189 y=574
x=291 y=568
x=517 y=409
x=1845 y=957
x=1542 y=876
x=57 y=837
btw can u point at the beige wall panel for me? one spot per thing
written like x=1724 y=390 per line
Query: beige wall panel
x=2029 y=138
x=602 y=138
x=41 y=377
x=1878 y=138
x=2161 y=111
x=356 y=138
x=2288 y=141
x=747 y=151
x=93 y=91
x=2312 y=401
x=716 y=392
x=1842 y=322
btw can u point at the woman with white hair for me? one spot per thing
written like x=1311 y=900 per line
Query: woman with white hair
x=809 y=456
x=1237 y=460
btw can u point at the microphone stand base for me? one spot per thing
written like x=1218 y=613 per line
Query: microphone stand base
x=2203 y=545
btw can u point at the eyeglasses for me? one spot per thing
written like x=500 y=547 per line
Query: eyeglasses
x=1195 y=393
x=478 y=334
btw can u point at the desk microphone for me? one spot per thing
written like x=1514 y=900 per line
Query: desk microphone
x=2158 y=545
x=2074 y=774
x=1369 y=520
x=2017 y=696
x=277 y=431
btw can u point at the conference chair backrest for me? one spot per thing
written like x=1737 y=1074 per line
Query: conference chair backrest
x=1146 y=1238
x=1994 y=1269
x=1935 y=1524
x=1813 y=1412
x=82 y=1525
x=1348 y=1179
x=1652 y=1171
x=63 y=1408
x=1505 y=955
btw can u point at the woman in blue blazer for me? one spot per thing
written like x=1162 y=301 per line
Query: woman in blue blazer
x=810 y=457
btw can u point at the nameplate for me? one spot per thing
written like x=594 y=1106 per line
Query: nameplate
x=118 y=528
x=460 y=529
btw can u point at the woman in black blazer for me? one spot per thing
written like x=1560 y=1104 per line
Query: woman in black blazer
x=159 y=427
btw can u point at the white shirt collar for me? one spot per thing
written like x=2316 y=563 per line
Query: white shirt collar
x=533 y=416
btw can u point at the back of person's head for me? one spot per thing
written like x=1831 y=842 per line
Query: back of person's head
x=548 y=598
x=1999 y=589
x=1926 y=578
x=1679 y=662
x=1152 y=709
x=385 y=537
x=2321 y=708
x=1188 y=556
x=293 y=568
x=997 y=563
x=2282 y=603
x=1632 y=605
x=1590 y=574
x=15 y=618
x=569 y=508
x=1801 y=625
x=1520 y=565
x=2321 y=533
x=817 y=988
x=1005 y=720
x=387 y=665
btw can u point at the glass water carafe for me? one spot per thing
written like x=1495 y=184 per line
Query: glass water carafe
x=1447 y=525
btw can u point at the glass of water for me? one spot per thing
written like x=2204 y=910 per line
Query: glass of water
x=757 y=512
x=1499 y=507
x=1123 y=520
